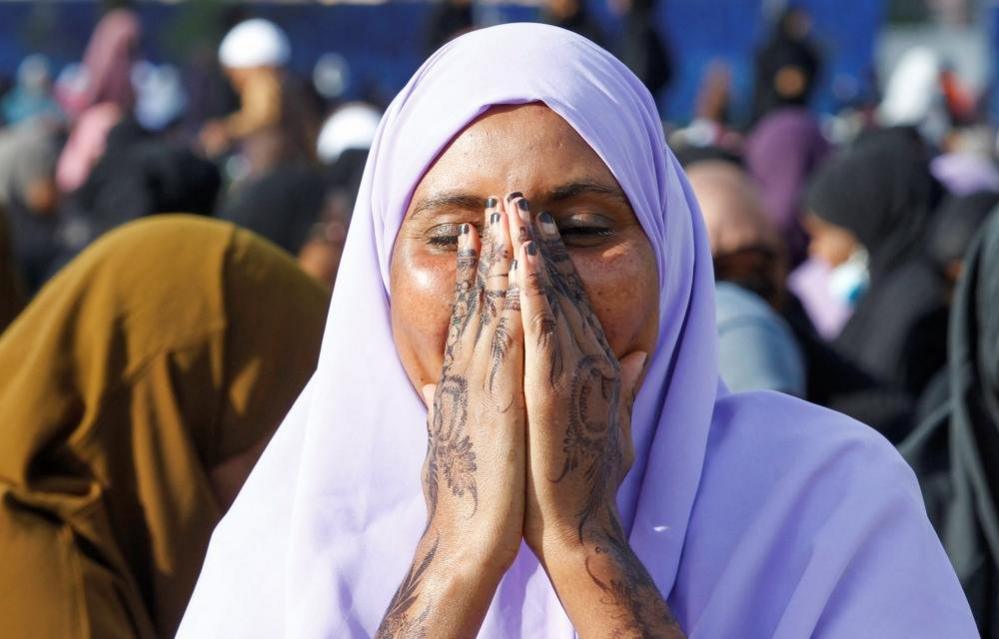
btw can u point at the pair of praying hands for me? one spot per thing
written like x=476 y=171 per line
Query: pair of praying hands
x=528 y=439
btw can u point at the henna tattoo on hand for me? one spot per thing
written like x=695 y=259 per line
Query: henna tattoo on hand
x=450 y=449
x=638 y=607
x=397 y=623
x=592 y=438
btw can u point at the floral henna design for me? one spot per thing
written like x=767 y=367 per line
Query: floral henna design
x=591 y=439
x=397 y=621
x=638 y=606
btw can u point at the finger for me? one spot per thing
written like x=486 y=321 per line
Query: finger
x=506 y=374
x=494 y=267
x=428 y=391
x=518 y=210
x=571 y=295
x=464 y=311
x=544 y=332
x=631 y=368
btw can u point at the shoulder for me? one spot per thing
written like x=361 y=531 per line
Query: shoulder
x=817 y=520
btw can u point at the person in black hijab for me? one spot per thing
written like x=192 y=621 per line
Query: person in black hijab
x=955 y=450
x=787 y=65
x=573 y=16
x=448 y=20
x=876 y=198
x=642 y=47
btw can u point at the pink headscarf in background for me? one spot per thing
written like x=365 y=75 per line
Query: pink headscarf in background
x=326 y=526
x=107 y=96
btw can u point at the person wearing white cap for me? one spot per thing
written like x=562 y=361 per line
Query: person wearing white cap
x=253 y=55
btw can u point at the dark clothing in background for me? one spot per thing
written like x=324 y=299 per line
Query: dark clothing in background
x=955 y=450
x=644 y=50
x=836 y=382
x=281 y=205
x=36 y=244
x=784 y=50
x=448 y=20
x=11 y=285
x=882 y=191
x=581 y=24
x=140 y=175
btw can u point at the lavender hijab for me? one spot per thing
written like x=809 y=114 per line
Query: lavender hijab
x=326 y=526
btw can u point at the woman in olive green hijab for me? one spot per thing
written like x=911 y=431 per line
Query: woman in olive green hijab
x=136 y=391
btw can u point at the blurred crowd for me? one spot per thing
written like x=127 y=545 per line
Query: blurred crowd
x=856 y=254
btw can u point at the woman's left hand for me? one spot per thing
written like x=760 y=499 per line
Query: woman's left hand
x=578 y=396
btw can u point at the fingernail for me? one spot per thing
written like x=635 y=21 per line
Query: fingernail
x=464 y=229
x=494 y=218
x=491 y=203
x=548 y=223
x=532 y=249
x=524 y=205
x=514 y=195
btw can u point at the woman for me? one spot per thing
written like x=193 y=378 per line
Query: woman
x=30 y=197
x=753 y=515
x=783 y=150
x=107 y=96
x=138 y=389
x=869 y=209
x=955 y=451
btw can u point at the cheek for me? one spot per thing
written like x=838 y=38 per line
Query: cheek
x=422 y=289
x=622 y=283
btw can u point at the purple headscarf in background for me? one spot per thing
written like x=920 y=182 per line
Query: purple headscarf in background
x=781 y=153
x=326 y=526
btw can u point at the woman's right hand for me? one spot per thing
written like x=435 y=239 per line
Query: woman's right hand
x=474 y=475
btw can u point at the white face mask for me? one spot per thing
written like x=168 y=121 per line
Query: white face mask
x=849 y=281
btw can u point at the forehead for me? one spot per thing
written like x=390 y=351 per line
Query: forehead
x=525 y=148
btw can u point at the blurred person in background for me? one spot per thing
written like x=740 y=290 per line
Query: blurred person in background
x=914 y=97
x=343 y=146
x=787 y=66
x=12 y=296
x=955 y=450
x=31 y=95
x=254 y=54
x=448 y=20
x=756 y=348
x=138 y=174
x=137 y=391
x=967 y=161
x=771 y=337
x=642 y=46
x=105 y=97
x=782 y=151
x=31 y=199
x=573 y=15
x=869 y=208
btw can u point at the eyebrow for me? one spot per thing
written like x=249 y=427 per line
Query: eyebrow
x=464 y=200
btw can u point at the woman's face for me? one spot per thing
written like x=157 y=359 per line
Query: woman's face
x=532 y=150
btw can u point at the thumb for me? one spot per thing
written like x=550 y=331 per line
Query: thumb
x=428 y=391
x=632 y=366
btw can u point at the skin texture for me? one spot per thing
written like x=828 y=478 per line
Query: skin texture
x=830 y=243
x=529 y=383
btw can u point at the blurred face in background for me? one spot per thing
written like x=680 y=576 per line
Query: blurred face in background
x=830 y=243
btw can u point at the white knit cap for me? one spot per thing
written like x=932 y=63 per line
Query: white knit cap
x=254 y=43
